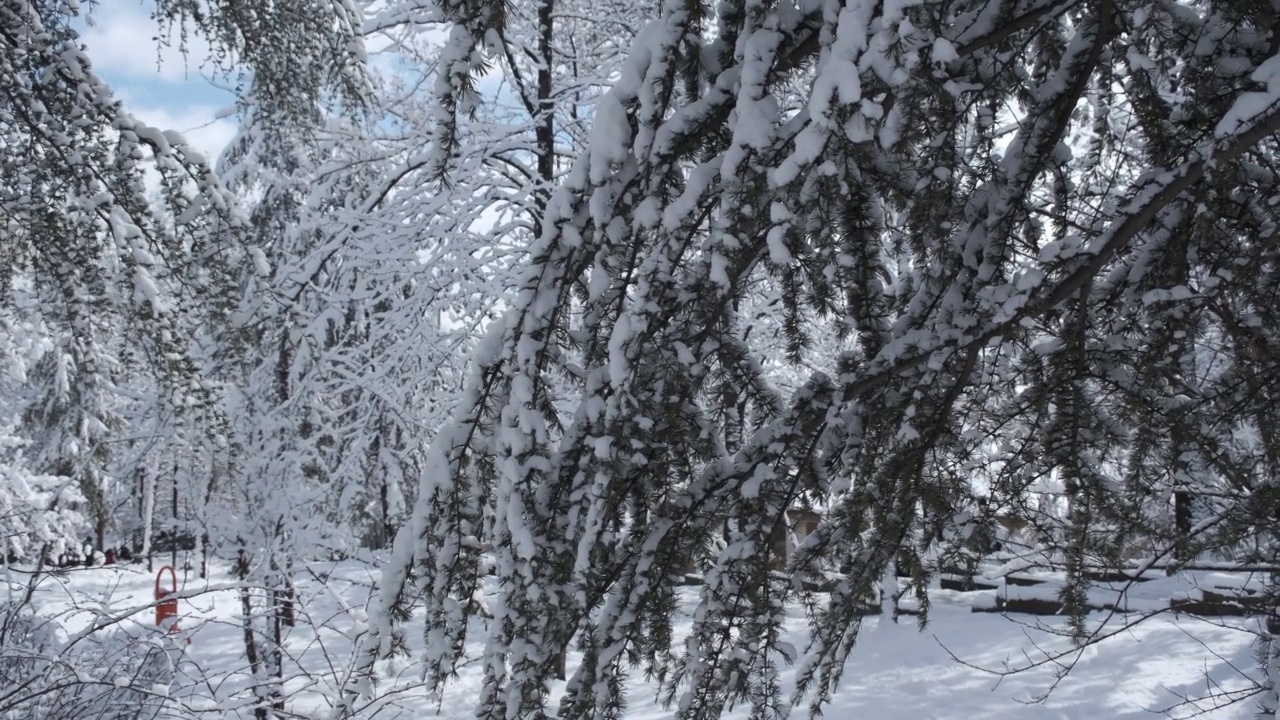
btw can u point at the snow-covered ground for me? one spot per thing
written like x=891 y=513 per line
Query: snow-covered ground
x=895 y=673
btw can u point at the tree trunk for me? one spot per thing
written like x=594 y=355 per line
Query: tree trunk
x=1182 y=520
x=148 y=514
x=561 y=656
x=545 y=123
x=260 y=711
x=100 y=531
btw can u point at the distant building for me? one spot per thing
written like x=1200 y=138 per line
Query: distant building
x=797 y=525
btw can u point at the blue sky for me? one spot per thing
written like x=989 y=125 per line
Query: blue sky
x=157 y=84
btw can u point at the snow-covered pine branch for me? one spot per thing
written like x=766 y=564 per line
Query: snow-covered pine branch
x=902 y=178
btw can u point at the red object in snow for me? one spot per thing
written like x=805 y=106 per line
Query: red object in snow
x=167 y=610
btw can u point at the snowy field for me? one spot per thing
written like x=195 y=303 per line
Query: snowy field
x=896 y=673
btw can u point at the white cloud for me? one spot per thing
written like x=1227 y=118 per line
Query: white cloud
x=124 y=42
x=155 y=81
x=210 y=138
x=197 y=124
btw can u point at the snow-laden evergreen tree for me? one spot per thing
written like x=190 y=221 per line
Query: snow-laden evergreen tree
x=137 y=291
x=108 y=266
x=352 y=328
x=41 y=515
x=345 y=352
x=1012 y=241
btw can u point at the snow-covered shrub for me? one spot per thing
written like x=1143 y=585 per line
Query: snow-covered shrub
x=119 y=677
x=109 y=675
x=27 y=641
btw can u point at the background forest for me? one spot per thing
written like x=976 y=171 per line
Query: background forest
x=542 y=307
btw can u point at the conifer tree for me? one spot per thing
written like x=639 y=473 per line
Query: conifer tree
x=107 y=266
x=1040 y=235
